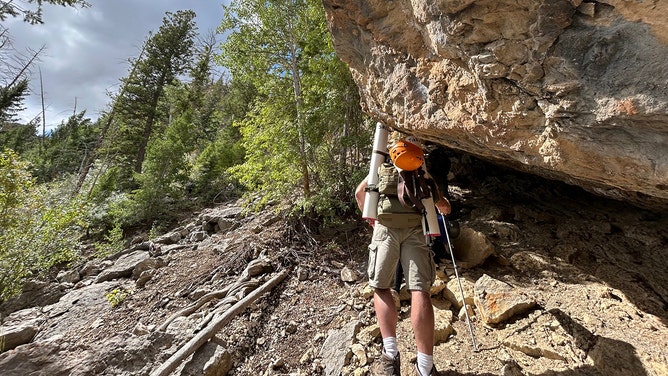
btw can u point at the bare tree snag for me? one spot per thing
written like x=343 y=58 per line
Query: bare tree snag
x=202 y=337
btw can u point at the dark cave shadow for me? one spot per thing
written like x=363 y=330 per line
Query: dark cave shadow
x=611 y=357
x=556 y=202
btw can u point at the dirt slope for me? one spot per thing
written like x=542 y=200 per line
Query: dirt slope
x=595 y=267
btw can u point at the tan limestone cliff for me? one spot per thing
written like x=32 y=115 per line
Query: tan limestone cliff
x=566 y=89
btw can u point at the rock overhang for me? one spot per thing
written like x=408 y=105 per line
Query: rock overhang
x=567 y=90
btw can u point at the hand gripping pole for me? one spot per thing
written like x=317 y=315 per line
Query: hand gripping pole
x=461 y=290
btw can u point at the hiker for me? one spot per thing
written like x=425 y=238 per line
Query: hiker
x=437 y=161
x=398 y=237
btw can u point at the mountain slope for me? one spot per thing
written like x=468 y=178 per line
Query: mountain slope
x=594 y=268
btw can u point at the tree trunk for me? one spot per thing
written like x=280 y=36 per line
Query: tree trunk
x=93 y=153
x=297 y=87
x=148 y=126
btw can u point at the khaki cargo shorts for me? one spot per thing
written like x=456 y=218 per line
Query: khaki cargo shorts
x=389 y=246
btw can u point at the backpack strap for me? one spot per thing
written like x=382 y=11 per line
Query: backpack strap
x=413 y=187
x=428 y=184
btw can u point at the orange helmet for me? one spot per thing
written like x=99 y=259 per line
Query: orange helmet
x=406 y=155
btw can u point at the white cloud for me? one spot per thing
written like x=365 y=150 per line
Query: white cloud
x=87 y=50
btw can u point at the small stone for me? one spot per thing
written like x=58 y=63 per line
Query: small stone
x=349 y=275
x=359 y=353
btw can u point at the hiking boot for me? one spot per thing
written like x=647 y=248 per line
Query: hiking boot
x=433 y=372
x=386 y=366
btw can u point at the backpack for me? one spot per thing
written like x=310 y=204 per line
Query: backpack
x=438 y=164
x=391 y=211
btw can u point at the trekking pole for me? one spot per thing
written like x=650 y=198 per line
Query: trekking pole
x=461 y=290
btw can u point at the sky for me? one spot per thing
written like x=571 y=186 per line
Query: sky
x=87 y=50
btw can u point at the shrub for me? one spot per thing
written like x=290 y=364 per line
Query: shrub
x=117 y=296
x=39 y=227
x=113 y=243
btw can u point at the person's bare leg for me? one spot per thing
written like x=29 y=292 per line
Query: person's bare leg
x=422 y=319
x=386 y=313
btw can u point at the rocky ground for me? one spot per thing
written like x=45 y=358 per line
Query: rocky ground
x=592 y=272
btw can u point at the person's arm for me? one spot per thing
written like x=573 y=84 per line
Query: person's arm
x=443 y=206
x=360 y=194
x=442 y=203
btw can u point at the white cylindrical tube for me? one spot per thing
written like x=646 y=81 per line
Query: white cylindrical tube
x=370 y=212
x=430 y=219
x=378 y=154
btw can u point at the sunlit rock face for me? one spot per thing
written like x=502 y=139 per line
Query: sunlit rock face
x=570 y=90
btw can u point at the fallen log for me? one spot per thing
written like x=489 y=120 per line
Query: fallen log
x=202 y=337
x=237 y=292
x=194 y=307
x=253 y=268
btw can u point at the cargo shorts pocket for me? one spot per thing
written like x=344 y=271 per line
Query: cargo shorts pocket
x=373 y=256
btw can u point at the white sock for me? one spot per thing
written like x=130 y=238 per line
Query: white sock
x=390 y=347
x=425 y=363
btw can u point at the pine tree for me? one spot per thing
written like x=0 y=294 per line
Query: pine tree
x=65 y=148
x=168 y=54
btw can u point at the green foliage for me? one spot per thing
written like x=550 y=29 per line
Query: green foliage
x=157 y=129
x=117 y=296
x=305 y=133
x=33 y=16
x=223 y=147
x=15 y=181
x=122 y=210
x=113 y=243
x=39 y=228
x=65 y=148
x=269 y=140
x=174 y=169
x=108 y=184
x=264 y=49
x=287 y=125
x=18 y=137
x=11 y=100
x=210 y=171
x=165 y=172
x=142 y=108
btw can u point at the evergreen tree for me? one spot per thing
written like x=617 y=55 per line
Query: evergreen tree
x=65 y=148
x=168 y=54
x=11 y=100
x=18 y=137
x=307 y=105
x=168 y=178
x=223 y=149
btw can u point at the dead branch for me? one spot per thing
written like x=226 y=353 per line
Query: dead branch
x=196 y=342
x=231 y=293
x=194 y=307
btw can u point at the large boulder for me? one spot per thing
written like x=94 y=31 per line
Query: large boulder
x=569 y=90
